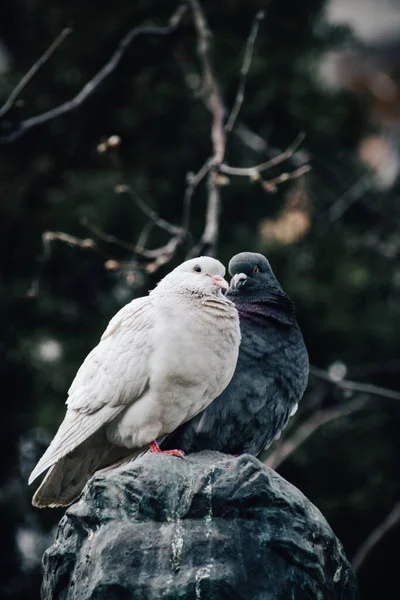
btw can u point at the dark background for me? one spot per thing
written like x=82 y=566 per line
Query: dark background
x=332 y=236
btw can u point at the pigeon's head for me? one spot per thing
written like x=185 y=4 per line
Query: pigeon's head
x=252 y=276
x=200 y=276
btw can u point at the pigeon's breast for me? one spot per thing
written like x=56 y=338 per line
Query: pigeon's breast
x=194 y=358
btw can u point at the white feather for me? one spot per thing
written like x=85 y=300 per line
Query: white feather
x=161 y=360
x=113 y=374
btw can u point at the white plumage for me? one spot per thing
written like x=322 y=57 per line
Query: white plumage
x=162 y=359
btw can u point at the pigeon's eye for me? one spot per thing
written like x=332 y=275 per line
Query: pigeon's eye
x=256 y=269
x=197 y=269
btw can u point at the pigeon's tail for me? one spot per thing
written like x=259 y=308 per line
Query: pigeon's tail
x=66 y=479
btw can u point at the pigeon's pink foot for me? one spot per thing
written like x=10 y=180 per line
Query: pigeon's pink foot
x=154 y=447
x=179 y=453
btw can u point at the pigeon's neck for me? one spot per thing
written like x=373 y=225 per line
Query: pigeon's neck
x=180 y=301
x=280 y=310
x=174 y=291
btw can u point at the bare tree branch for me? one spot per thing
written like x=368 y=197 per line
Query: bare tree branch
x=306 y=429
x=270 y=184
x=191 y=77
x=214 y=102
x=390 y=521
x=210 y=83
x=354 y=386
x=71 y=240
x=244 y=71
x=193 y=180
x=213 y=166
x=149 y=212
x=168 y=249
x=144 y=236
x=350 y=197
x=163 y=254
x=91 y=86
x=250 y=139
x=33 y=70
x=104 y=236
x=208 y=242
x=209 y=239
x=273 y=162
x=47 y=238
x=275 y=458
x=41 y=262
x=158 y=256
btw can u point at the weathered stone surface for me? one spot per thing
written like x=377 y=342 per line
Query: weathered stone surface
x=208 y=526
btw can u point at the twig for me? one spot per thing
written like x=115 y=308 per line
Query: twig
x=249 y=138
x=270 y=184
x=146 y=210
x=350 y=197
x=91 y=86
x=306 y=429
x=158 y=256
x=139 y=249
x=33 y=70
x=144 y=236
x=208 y=240
x=209 y=83
x=214 y=102
x=163 y=254
x=355 y=386
x=244 y=71
x=41 y=262
x=273 y=162
x=71 y=240
x=106 y=237
x=47 y=238
x=390 y=521
x=193 y=181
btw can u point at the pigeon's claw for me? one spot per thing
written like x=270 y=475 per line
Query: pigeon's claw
x=179 y=453
x=154 y=447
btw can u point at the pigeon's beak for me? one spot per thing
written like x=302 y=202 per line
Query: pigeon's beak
x=237 y=281
x=220 y=281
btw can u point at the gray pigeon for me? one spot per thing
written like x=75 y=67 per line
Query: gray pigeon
x=162 y=359
x=271 y=373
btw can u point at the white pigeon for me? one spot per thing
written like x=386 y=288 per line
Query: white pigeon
x=162 y=359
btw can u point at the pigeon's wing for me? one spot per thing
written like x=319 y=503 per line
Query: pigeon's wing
x=113 y=375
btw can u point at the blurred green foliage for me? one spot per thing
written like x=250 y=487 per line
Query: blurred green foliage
x=343 y=274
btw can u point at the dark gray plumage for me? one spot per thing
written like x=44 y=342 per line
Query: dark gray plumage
x=271 y=373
